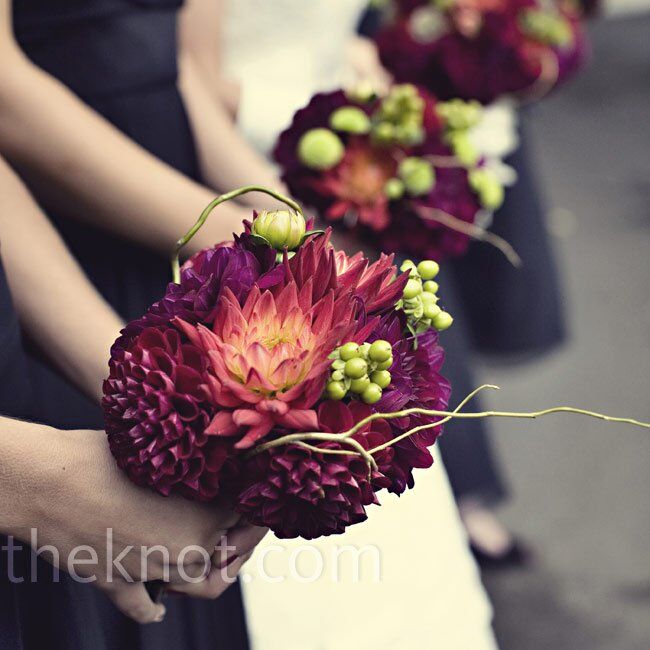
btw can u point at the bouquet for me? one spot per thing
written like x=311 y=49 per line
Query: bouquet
x=482 y=49
x=283 y=377
x=401 y=171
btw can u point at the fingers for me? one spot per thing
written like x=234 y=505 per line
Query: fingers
x=240 y=541
x=215 y=583
x=134 y=601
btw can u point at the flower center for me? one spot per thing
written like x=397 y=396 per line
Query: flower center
x=364 y=173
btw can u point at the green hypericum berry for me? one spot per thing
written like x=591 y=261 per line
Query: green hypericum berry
x=335 y=390
x=431 y=311
x=349 y=351
x=372 y=394
x=442 y=321
x=428 y=298
x=350 y=119
x=491 y=195
x=394 y=189
x=463 y=148
x=430 y=287
x=380 y=351
x=428 y=269
x=412 y=289
x=361 y=93
x=384 y=133
x=338 y=375
x=281 y=228
x=409 y=134
x=381 y=377
x=418 y=175
x=359 y=385
x=385 y=365
x=356 y=368
x=338 y=364
x=320 y=149
x=408 y=265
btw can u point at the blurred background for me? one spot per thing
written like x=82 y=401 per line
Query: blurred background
x=581 y=487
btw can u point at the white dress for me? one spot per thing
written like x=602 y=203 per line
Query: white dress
x=404 y=579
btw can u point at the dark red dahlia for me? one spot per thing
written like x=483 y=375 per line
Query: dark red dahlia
x=302 y=493
x=157 y=409
x=479 y=49
x=353 y=194
x=415 y=382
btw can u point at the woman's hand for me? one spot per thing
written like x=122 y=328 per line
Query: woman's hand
x=112 y=533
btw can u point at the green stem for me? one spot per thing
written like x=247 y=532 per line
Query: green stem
x=176 y=271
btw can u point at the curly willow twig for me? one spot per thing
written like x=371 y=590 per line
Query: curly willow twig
x=345 y=437
x=471 y=230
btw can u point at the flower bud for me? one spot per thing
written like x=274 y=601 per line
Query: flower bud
x=350 y=119
x=418 y=175
x=281 y=228
x=320 y=149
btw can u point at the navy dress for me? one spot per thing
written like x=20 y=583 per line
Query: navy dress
x=119 y=57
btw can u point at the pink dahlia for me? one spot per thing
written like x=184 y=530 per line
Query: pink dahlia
x=157 y=411
x=268 y=360
x=376 y=286
x=301 y=492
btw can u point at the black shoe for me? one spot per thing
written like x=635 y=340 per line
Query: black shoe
x=517 y=556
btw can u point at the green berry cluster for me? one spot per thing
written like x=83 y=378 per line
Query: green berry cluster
x=415 y=176
x=488 y=188
x=420 y=301
x=546 y=27
x=398 y=120
x=360 y=370
x=459 y=117
x=458 y=114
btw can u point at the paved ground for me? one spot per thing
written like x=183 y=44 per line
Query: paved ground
x=582 y=488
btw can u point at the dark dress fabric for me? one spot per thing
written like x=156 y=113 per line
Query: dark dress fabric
x=14 y=401
x=514 y=311
x=465 y=445
x=119 y=57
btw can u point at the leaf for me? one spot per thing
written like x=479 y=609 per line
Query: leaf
x=309 y=233
x=258 y=240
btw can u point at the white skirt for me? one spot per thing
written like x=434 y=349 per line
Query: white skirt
x=403 y=579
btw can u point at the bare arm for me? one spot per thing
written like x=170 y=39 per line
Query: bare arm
x=88 y=169
x=227 y=159
x=59 y=308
